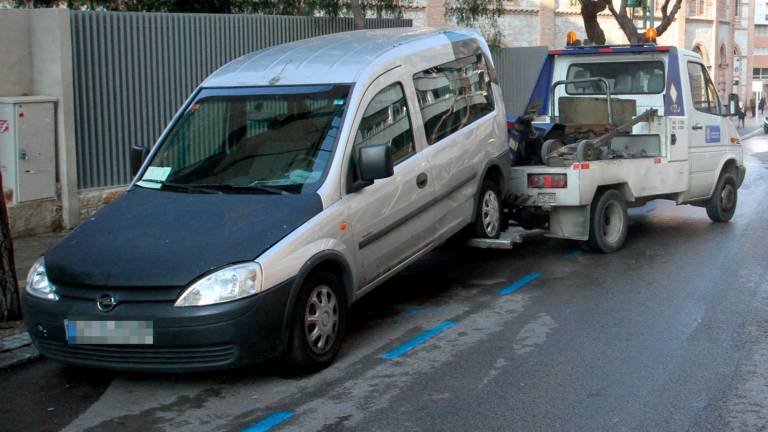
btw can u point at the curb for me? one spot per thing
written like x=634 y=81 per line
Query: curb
x=16 y=350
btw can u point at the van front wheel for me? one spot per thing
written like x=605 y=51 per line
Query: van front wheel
x=319 y=320
x=608 y=222
x=722 y=205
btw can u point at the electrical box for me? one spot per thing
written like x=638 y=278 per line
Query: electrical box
x=27 y=148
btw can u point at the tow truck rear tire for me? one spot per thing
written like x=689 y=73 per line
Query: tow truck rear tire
x=722 y=205
x=608 y=222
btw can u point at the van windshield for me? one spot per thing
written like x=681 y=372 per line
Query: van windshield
x=276 y=139
x=636 y=77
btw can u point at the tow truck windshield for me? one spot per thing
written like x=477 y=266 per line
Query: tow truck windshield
x=257 y=140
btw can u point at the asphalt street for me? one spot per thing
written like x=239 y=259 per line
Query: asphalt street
x=668 y=334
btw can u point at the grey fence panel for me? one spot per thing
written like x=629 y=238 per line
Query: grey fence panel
x=517 y=70
x=132 y=71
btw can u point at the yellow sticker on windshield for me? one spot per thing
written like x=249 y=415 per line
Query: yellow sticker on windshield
x=154 y=177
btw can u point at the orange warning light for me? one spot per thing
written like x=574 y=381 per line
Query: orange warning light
x=571 y=38
x=343 y=226
x=650 y=35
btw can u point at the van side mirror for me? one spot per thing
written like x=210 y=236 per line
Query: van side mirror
x=372 y=162
x=138 y=154
x=733 y=105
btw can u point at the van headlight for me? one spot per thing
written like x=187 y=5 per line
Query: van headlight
x=228 y=284
x=38 y=284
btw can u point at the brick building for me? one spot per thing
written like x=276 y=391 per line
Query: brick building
x=722 y=31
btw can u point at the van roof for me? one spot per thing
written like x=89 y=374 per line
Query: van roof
x=334 y=58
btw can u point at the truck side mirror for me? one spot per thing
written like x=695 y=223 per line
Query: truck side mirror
x=372 y=162
x=733 y=105
x=138 y=155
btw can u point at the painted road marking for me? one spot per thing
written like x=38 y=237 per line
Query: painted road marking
x=269 y=422
x=573 y=253
x=516 y=285
x=418 y=340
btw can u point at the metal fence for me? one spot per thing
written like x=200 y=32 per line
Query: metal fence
x=132 y=71
x=517 y=70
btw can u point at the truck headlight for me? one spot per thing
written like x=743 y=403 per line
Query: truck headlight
x=230 y=283
x=38 y=284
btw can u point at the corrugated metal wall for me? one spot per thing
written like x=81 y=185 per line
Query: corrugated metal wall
x=517 y=70
x=132 y=72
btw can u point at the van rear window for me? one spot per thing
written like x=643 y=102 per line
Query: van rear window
x=639 y=77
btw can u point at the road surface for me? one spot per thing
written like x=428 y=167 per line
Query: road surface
x=670 y=333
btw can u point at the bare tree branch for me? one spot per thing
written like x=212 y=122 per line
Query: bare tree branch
x=667 y=18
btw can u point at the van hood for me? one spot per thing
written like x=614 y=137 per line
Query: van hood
x=164 y=238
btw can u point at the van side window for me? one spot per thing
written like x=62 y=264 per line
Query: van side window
x=702 y=90
x=453 y=95
x=386 y=121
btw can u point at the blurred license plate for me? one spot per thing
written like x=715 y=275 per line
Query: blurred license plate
x=109 y=332
x=545 y=199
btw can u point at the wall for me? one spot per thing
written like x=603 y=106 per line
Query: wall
x=34 y=50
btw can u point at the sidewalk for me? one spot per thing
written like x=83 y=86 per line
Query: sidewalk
x=752 y=126
x=15 y=346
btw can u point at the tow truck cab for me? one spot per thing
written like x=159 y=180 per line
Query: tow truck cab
x=685 y=148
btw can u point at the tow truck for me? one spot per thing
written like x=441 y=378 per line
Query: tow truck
x=612 y=127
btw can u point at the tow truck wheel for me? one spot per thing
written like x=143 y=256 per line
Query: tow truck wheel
x=722 y=205
x=608 y=222
x=488 y=219
x=319 y=320
x=585 y=151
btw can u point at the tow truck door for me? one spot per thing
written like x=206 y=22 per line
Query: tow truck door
x=705 y=130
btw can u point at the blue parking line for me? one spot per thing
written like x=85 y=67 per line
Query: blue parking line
x=573 y=253
x=418 y=340
x=269 y=422
x=516 y=285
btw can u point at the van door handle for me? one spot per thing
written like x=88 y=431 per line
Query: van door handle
x=421 y=180
x=697 y=126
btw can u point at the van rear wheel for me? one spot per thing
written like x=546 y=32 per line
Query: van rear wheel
x=319 y=321
x=722 y=205
x=608 y=222
x=488 y=214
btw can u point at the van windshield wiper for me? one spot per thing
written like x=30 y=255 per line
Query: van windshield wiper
x=215 y=187
x=228 y=187
x=179 y=187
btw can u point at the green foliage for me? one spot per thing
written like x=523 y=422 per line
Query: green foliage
x=482 y=15
x=332 y=8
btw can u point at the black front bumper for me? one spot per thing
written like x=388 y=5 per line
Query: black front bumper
x=185 y=339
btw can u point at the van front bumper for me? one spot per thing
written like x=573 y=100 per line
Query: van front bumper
x=185 y=339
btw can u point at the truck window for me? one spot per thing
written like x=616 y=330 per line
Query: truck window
x=453 y=95
x=386 y=121
x=703 y=91
x=638 y=77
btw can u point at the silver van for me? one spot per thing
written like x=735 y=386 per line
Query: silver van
x=293 y=181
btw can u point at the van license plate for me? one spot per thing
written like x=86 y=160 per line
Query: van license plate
x=545 y=199
x=109 y=332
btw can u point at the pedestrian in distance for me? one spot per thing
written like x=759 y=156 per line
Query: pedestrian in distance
x=742 y=114
x=753 y=107
x=762 y=105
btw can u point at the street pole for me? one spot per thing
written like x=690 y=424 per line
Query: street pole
x=653 y=13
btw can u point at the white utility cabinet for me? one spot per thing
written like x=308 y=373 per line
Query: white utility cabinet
x=27 y=147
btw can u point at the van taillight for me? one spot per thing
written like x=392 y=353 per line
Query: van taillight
x=547 y=181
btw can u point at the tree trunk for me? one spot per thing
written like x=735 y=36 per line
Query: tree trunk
x=589 y=11
x=357 y=13
x=10 y=305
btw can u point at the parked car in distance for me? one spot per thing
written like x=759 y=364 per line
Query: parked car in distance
x=765 y=124
x=292 y=182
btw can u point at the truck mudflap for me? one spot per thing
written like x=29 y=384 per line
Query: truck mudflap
x=570 y=222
